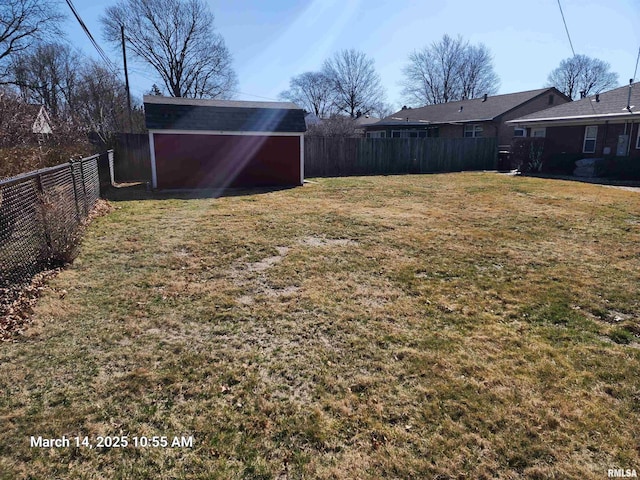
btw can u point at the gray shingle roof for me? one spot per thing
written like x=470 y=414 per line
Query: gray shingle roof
x=462 y=111
x=611 y=104
x=162 y=113
x=366 y=120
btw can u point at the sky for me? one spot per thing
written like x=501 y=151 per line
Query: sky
x=274 y=40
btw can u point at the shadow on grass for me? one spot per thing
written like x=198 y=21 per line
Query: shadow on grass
x=139 y=191
x=595 y=180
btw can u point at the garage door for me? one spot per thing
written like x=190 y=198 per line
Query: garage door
x=213 y=161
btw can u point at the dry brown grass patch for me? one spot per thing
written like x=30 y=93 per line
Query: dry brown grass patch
x=443 y=326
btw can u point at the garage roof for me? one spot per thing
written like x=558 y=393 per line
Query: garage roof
x=169 y=113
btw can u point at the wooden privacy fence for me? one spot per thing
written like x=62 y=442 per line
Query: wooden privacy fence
x=329 y=157
x=132 y=160
x=333 y=157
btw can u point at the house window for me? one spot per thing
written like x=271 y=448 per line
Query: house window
x=409 y=134
x=638 y=139
x=539 y=132
x=473 y=131
x=519 y=132
x=377 y=134
x=590 y=134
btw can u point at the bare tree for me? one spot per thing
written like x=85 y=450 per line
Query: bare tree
x=448 y=70
x=177 y=38
x=582 y=75
x=381 y=110
x=48 y=75
x=476 y=73
x=334 y=126
x=313 y=92
x=21 y=23
x=14 y=130
x=100 y=103
x=354 y=81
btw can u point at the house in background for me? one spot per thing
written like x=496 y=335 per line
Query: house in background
x=362 y=121
x=23 y=120
x=311 y=119
x=223 y=143
x=606 y=124
x=479 y=117
x=41 y=122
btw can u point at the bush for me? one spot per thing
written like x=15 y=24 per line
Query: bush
x=621 y=168
x=62 y=229
x=527 y=153
x=562 y=163
x=27 y=158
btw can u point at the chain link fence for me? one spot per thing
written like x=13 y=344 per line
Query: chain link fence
x=41 y=214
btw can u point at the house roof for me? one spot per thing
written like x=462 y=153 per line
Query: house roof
x=311 y=119
x=465 y=111
x=363 y=120
x=169 y=113
x=28 y=117
x=41 y=122
x=611 y=105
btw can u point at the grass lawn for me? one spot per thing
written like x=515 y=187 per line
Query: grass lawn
x=437 y=326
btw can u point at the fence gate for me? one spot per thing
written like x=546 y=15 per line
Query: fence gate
x=132 y=161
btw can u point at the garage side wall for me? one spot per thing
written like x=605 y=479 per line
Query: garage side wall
x=236 y=161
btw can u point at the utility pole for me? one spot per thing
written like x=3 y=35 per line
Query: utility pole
x=126 y=79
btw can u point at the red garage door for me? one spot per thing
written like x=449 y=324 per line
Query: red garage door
x=204 y=161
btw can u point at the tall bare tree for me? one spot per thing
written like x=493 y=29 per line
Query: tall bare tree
x=177 y=39
x=581 y=74
x=81 y=95
x=355 y=82
x=21 y=23
x=48 y=75
x=448 y=70
x=312 y=91
x=381 y=110
x=100 y=102
x=476 y=73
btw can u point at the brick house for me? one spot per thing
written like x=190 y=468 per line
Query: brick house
x=479 y=117
x=602 y=125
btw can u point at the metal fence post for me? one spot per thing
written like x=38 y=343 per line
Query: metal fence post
x=75 y=192
x=43 y=216
x=111 y=168
x=84 y=189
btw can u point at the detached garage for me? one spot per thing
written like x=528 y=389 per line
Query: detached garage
x=223 y=143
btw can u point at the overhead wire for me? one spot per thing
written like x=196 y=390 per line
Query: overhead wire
x=138 y=72
x=566 y=29
x=141 y=73
x=256 y=96
x=95 y=44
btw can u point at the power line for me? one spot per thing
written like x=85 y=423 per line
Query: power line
x=143 y=74
x=256 y=96
x=90 y=36
x=565 y=27
x=635 y=72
